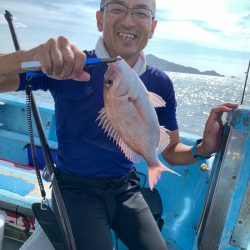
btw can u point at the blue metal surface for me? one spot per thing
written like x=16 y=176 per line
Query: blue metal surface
x=240 y=118
x=18 y=185
x=240 y=121
x=13 y=132
x=13 y=117
x=227 y=197
x=15 y=185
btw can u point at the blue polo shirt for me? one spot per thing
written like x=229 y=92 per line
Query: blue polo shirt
x=83 y=148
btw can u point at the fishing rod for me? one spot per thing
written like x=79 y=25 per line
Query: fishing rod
x=9 y=18
x=245 y=86
x=40 y=210
x=56 y=190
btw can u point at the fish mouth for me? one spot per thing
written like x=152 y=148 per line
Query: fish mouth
x=128 y=36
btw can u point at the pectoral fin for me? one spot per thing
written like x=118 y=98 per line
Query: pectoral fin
x=164 y=139
x=156 y=100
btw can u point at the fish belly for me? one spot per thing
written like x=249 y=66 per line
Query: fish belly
x=139 y=134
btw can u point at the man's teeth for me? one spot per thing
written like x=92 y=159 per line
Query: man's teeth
x=129 y=36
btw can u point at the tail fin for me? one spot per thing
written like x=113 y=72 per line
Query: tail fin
x=154 y=173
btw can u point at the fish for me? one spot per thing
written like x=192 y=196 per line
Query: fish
x=130 y=120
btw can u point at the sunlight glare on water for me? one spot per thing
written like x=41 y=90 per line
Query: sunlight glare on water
x=197 y=94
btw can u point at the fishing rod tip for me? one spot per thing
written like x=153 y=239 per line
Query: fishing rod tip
x=8 y=14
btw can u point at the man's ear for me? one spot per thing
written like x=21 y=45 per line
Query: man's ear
x=99 y=21
x=154 y=23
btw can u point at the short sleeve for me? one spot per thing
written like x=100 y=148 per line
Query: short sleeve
x=158 y=82
x=43 y=83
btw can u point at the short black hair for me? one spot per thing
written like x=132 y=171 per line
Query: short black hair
x=102 y=3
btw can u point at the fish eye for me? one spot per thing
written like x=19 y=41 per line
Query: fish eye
x=109 y=83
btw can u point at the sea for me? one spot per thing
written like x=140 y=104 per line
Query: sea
x=196 y=95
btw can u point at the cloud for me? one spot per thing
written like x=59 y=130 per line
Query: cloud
x=213 y=23
x=45 y=19
x=15 y=22
x=20 y=25
x=2 y=20
x=51 y=15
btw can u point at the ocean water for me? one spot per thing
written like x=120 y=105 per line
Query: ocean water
x=195 y=94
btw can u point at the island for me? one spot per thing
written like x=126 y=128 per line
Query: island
x=173 y=67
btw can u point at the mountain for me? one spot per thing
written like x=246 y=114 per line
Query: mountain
x=173 y=67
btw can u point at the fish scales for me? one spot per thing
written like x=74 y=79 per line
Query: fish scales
x=129 y=125
x=129 y=118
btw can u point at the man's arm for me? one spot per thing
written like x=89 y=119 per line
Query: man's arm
x=9 y=71
x=176 y=152
x=59 y=58
x=179 y=154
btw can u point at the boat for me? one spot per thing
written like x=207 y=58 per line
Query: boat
x=207 y=208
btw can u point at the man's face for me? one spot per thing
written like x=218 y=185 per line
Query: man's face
x=127 y=35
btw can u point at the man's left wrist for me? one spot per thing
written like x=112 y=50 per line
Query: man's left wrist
x=197 y=151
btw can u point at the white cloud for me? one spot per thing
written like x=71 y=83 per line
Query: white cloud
x=185 y=31
x=2 y=20
x=51 y=15
x=190 y=32
x=213 y=23
x=15 y=22
x=20 y=25
x=50 y=19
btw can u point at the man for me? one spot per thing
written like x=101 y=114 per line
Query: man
x=99 y=190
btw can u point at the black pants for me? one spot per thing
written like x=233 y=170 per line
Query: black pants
x=95 y=206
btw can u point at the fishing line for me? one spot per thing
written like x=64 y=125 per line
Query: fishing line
x=245 y=85
x=60 y=239
x=245 y=47
x=247 y=72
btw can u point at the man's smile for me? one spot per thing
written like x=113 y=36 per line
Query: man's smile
x=127 y=35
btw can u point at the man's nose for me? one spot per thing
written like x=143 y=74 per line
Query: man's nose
x=129 y=17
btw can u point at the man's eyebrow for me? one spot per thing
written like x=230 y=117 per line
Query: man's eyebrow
x=143 y=6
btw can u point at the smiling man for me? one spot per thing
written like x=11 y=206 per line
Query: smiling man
x=123 y=35
x=98 y=184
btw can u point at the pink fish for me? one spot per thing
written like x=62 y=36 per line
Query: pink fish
x=129 y=118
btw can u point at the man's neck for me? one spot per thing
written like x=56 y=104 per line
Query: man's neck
x=137 y=61
x=131 y=61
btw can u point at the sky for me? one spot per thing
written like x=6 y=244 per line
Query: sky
x=205 y=34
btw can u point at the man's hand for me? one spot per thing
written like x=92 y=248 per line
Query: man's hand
x=60 y=59
x=213 y=129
